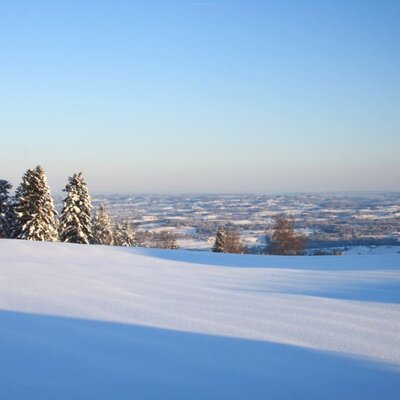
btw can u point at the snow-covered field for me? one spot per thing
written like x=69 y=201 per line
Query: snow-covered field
x=94 y=322
x=364 y=250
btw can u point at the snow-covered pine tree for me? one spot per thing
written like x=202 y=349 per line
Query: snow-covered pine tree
x=75 y=223
x=219 y=246
x=124 y=235
x=102 y=227
x=117 y=234
x=35 y=208
x=11 y=219
x=5 y=204
x=15 y=220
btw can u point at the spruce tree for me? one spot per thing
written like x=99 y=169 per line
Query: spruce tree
x=11 y=219
x=102 y=226
x=5 y=204
x=124 y=235
x=35 y=208
x=219 y=246
x=75 y=222
x=117 y=234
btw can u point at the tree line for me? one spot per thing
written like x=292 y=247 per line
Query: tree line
x=30 y=215
x=284 y=240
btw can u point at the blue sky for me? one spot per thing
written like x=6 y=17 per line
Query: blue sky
x=203 y=95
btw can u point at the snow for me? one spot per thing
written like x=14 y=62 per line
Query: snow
x=164 y=229
x=363 y=250
x=242 y=222
x=189 y=243
x=98 y=322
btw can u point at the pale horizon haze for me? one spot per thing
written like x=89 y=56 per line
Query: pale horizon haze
x=202 y=96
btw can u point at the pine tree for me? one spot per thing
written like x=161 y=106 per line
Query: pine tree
x=35 y=208
x=102 y=226
x=17 y=218
x=75 y=222
x=124 y=235
x=5 y=204
x=117 y=234
x=11 y=219
x=219 y=246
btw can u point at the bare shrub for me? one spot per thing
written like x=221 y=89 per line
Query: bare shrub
x=284 y=240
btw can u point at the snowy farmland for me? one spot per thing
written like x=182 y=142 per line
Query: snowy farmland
x=94 y=322
x=328 y=221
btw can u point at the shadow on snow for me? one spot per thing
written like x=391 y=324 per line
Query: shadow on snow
x=306 y=263
x=45 y=357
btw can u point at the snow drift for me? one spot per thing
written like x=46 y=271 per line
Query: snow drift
x=96 y=322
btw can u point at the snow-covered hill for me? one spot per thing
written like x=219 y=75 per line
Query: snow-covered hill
x=93 y=322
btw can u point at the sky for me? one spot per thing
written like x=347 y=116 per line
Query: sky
x=202 y=96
